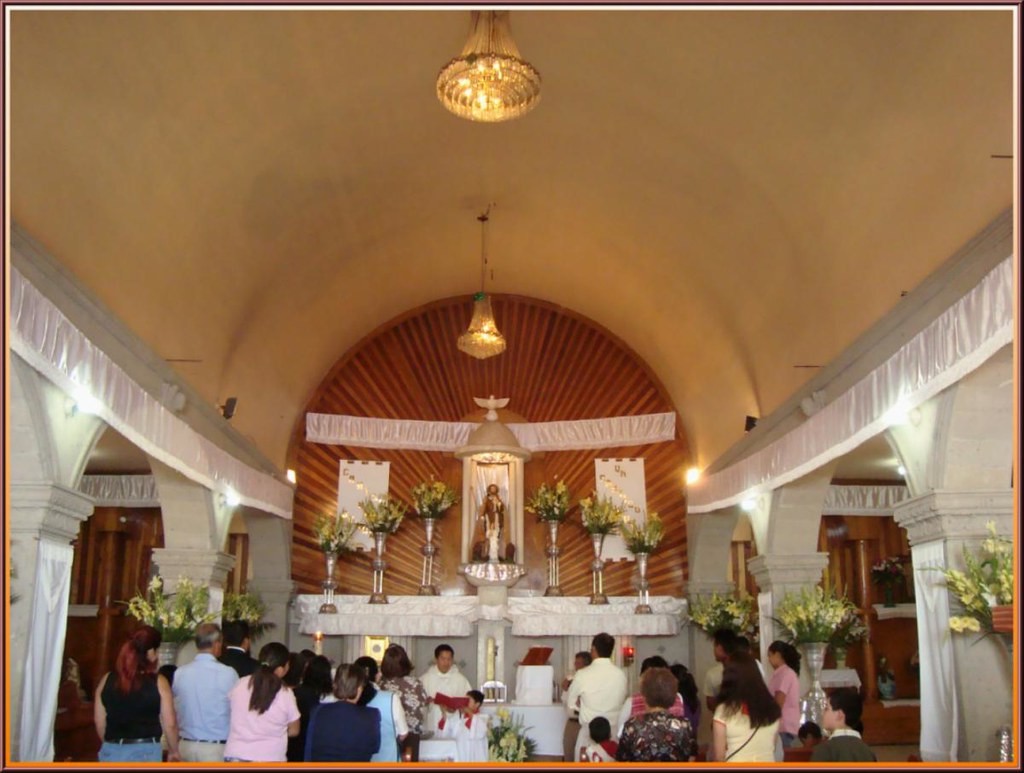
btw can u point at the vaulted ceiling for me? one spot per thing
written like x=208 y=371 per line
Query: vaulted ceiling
x=732 y=193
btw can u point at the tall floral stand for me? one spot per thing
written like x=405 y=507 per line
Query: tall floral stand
x=552 y=551
x=812 y=706
x=167 y=652
x=644 y=607
x=379 y=565
x=329 y=585
x=597 y=581
x=428 y=550
x=1002 y=626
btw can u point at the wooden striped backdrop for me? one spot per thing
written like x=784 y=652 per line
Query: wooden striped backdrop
x=558 y=366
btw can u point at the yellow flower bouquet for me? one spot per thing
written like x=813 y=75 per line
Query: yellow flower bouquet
x=600 y=515
x=176 y=615
x=716 y=612
x=432 y=500
x=550 y=503
x=987 y=582
x=507 y=741
x=642 y=539
x=247 y=607
x=334 y=532
x=382 y=515
x=813 y=615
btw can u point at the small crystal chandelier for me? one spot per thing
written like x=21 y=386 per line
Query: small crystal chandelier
x=489 y=82
x=483 y=339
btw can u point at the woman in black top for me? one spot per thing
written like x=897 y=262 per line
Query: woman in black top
x=133 y=705
x=344 y=731
x=316 y=684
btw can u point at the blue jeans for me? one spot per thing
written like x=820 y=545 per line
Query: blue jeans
x=131 y=752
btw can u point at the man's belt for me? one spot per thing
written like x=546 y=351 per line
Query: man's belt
x=193 y=740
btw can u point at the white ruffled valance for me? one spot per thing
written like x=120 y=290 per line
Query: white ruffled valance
x=121 y=490
x=50 y=343
x=953 y=345
x=863 y=500
x=450 y=435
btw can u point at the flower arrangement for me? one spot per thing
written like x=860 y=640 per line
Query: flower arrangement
x=334 y=532
x=550 y=503
x=849 y=631
x=176 y=616
x=382 y=515
x=432 y=500
x=600 y=515
x=507 y=741
x=812 y=615
x=714 y=612
x=987 y=582
x=887 y=572
x=642 y=539
x=248 y=607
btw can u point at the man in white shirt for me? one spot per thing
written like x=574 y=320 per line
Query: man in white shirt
x=442 y=677
x=600 y=689
x=725 y=642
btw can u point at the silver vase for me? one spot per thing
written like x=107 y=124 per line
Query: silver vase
x=812 y=706
x=379 y=565
x=644 y=607
x=597 y=581
x=554 y=587
x=428 y=550
x=329 y=585
x=167 y=652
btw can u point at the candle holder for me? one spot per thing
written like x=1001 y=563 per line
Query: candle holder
x=597 y=567
x=318 y=643
x=552 y=551
x=428 y=550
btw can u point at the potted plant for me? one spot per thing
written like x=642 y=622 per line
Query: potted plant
x=507 y=740
x=887 y=573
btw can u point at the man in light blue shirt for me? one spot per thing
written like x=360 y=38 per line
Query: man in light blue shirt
x=201 y=699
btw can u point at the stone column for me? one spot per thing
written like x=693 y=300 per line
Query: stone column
x=981 y=678
x=277 y=595
x=39 y=512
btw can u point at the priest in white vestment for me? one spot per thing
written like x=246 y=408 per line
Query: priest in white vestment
x=442 y=677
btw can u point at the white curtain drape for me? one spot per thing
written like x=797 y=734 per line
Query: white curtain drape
x=45 y=651
x=938 y=685
x=863 y=500
x=613 y=432
x=121 y=490
x=50 y=343
x=953 y=345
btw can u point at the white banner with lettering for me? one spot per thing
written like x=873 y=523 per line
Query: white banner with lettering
x=358 y=481
x=623 y=481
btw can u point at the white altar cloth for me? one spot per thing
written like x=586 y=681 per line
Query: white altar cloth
x=544 y=724
x=456 y=616
x=839 y=677
x=439 y=750
x=535 y=685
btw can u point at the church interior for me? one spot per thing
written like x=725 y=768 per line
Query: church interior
x=752 y=270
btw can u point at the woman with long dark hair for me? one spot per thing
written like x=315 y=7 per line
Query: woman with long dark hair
x=133 y=705
x=397 y=677
x=785 y=688
x=263 y=711
x=688 y=692
x=746 y=717
x=316 y=688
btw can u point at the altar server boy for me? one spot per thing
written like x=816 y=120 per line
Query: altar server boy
x=469 y=729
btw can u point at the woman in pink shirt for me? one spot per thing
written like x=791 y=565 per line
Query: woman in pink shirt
x=263 y=711
x=785 y=687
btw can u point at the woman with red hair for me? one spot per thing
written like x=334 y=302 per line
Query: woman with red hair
x=134 y=705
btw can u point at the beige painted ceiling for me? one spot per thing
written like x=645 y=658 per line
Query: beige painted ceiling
x=733 y=193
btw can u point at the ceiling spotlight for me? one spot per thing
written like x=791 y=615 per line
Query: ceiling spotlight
x=749 y=423
x=898 y=414
x=290 y=475
x=228 y=409
x=692 y=475
x=748 y=505
x=902 y=470
x=82 y=401
x=231 y=498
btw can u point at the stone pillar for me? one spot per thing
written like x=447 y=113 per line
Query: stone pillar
x=940 y=524
x=277 y=594
x=701 y=646
x=39 y=512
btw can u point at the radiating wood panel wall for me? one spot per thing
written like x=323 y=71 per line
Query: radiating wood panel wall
x=558 y=366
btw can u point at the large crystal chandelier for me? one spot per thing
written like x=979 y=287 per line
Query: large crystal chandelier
x=489 y=81
x=483 y=339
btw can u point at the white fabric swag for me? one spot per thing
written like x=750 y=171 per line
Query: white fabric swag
x=121 y=490
x=50 y=343
x=45 y=649
x=863 y=500
x=938 y=685
x=448 y=436
x=957 y=342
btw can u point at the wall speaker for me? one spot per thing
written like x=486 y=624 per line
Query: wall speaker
x=750 y=423
x=228 y=409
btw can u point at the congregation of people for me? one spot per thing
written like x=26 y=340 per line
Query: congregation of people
x=226 y=706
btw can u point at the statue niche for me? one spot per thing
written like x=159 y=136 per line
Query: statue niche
x=491 y=526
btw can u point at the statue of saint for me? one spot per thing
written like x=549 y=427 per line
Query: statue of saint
x=492 y=523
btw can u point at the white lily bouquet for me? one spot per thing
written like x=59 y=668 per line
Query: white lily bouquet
x=507 y=741
x=550 y=503
x=176 y=616
x=334 y=532
x=813 y=615
x=642 y=539
x=382 y=515
x=715 y=612
x=432 y=500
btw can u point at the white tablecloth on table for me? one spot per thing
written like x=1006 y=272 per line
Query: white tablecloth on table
x=832 y=678
x=544 y=724
x=535 y=685
x=439 y=750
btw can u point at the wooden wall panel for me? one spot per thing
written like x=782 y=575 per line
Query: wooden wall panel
x=558 y=366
